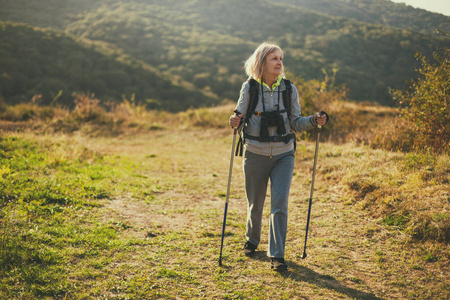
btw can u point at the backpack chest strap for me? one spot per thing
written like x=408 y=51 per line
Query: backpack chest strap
x=261 y=113
x=271 y=139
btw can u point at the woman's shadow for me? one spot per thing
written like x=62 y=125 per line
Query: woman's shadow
x=304 y=274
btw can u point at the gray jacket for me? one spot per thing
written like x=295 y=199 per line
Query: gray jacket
x=294 y=123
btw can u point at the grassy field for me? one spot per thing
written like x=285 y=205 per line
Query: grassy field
x=138 y=215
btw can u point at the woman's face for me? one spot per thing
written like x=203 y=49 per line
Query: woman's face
x=274 y=64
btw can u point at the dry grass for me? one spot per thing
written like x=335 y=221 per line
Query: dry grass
x=349 y=121
x=87 y=117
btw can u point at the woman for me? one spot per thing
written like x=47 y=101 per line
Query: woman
x=269 y=147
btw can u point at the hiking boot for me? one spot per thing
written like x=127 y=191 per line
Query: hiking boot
x=278 y=264
x=249 y=249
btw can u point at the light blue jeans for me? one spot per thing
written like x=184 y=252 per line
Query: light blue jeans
x=258 y=169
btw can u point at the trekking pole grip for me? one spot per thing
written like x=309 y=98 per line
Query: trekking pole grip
x=236 y=113
x=319 y=127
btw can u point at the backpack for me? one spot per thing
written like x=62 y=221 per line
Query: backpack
x=253 y=101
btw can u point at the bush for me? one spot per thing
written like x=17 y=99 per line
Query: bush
x=425 y=106
x=87 y=108
x=20 y=112
x=348 y=121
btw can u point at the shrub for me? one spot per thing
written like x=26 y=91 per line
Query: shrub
x=87 y=108
x=348 y=121
x=425 y=106
x=20 y=112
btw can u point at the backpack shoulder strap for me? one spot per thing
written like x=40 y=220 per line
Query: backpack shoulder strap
x=253 y=100
x=287 y=96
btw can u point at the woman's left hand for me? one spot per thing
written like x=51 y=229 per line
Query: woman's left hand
x=320 y=119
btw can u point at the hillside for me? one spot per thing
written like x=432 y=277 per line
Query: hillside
x=380 y=12
x=205 y=43
x=55 y=14
x=46 y=62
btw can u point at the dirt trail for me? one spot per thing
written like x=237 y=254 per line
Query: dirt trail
x=175 y=208
x=350 y=255
x=173 y=215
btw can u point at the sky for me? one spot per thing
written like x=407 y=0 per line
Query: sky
x=439 y=6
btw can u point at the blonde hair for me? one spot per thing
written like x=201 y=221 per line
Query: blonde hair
x=254 y=65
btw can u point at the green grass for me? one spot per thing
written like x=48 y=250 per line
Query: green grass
x=48 y=193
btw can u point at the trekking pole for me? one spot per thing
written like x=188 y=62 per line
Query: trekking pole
x=319 y=129
x=228 y=194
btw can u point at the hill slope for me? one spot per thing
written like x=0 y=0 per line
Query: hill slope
x=380 y=12
x=46 y=62
x=206 y=42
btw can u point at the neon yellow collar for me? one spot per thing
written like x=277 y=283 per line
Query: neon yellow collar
x=274 y=86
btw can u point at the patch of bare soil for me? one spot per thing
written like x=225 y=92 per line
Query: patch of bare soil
x=169 y=216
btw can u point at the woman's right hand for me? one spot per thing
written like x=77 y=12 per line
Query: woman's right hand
x=235 y=120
